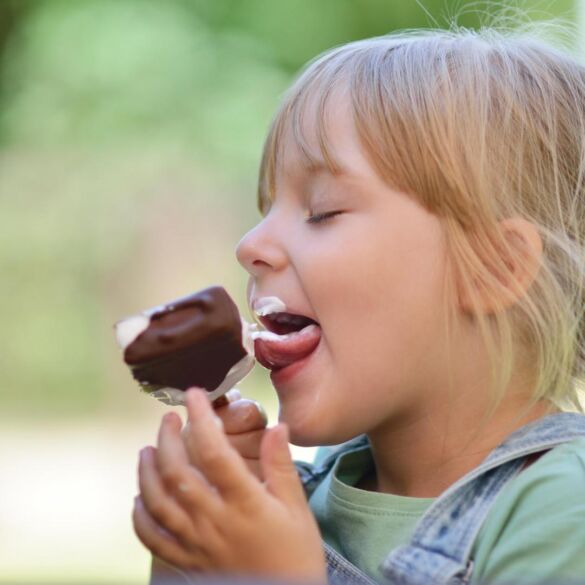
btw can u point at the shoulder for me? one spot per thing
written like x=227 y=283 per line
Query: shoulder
x=537 y=524
x=560 y=471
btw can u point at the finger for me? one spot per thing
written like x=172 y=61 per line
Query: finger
x=160 y=505
x=160 y=542
x=247 y=444
x=192 y=523
x=242 y=415
x=226 y=398
x=255 y=468
x=179 y=477
x=210 y=451
x=280 y=473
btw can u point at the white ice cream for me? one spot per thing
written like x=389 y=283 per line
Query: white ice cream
x=266 y=305
x=129 y=329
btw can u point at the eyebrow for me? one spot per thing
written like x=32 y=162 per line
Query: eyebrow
x=309 y=173
x=313 y=169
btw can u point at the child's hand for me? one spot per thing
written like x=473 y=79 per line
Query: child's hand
x=200 y=507
x=244 y=422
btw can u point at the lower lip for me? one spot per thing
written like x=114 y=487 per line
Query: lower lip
x=286 y=374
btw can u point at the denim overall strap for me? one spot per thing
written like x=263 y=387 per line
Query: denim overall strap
x=440 y=548
x=341 y=572
x=312 y=475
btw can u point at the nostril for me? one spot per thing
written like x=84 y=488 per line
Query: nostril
x=246 y=255
x=249 y=249
x=260 y=263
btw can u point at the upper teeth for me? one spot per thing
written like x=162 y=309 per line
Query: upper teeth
x=287 y=319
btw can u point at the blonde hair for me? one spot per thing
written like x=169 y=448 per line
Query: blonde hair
x=476 y=126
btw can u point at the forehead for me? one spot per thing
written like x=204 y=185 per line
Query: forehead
x=316 y=139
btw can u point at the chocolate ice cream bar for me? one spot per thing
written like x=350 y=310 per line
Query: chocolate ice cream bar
x=196 y=340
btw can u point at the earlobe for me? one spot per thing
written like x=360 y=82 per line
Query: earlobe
x=521 y=258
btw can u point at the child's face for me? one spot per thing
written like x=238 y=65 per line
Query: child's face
x=371 y=276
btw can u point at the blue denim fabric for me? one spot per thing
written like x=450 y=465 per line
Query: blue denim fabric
x=440 y=548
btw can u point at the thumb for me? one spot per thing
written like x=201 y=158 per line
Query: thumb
x=280 y=473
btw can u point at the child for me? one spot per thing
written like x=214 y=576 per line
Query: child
x=423 y=202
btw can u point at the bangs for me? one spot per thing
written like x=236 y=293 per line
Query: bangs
x=300 y=123
x=292 y=128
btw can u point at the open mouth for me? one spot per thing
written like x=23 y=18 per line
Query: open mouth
x=288 y=338
x=285 y=323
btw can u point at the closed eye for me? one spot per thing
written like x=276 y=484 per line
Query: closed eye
x=322 y=217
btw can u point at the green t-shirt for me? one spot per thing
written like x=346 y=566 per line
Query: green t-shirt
x=534 y=531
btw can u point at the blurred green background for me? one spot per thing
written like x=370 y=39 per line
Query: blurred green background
x=130 y=137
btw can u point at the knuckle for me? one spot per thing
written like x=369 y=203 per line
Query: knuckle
x=249 y=416
x=159 y=512
x=255 y=468
x=170 y=476
x=176 y=526
x=247 y=444
x=257 y=436
x=213 y=456
x=254 y=440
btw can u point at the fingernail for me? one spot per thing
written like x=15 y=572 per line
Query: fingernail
x=218 y=422
x=233 y=395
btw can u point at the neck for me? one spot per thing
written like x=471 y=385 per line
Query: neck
x=429 y=453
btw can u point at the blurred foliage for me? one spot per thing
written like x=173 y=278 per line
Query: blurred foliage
x=130 y=135
x=206 y=73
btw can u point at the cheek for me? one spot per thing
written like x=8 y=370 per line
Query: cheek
x=378 y=298
x=348 y=276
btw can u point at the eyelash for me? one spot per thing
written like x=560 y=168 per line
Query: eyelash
x=322 y=217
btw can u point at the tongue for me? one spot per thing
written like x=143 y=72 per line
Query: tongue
x=277 y=351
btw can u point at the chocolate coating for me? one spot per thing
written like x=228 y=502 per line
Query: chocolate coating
x=192 y=341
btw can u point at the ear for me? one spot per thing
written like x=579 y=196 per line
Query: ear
x=522 y=259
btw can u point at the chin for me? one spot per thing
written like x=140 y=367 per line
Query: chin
x=314 y=434
x=305 y=433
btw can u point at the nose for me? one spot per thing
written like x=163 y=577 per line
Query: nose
x=260 y=251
